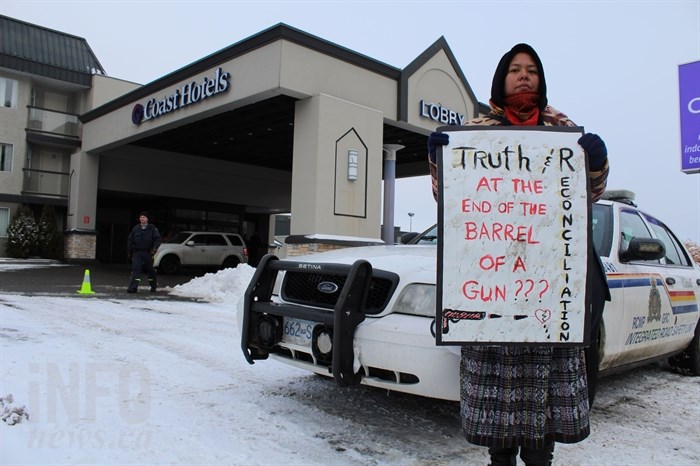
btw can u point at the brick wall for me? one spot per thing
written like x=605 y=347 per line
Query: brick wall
x=299 y=249
x=79 y=246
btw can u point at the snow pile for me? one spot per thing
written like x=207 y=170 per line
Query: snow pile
x=10 y=413
x=225 y=286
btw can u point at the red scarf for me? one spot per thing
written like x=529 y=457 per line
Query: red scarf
x=521 y=109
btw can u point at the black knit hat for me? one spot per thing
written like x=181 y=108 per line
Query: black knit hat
x=144 y=213
x=498 y=93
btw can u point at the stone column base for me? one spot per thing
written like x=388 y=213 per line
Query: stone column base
x=80 y=245
x=298 y=245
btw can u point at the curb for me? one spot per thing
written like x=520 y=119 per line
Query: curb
x=14 y=261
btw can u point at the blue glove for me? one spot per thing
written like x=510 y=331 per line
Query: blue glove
x=596 y=150
x=434 y=140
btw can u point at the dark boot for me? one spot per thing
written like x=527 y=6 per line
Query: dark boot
x=543 y=457
x=134 y=285
x=154 y=285
x=503 y=456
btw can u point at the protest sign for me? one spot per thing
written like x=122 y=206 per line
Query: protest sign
x=513 y=229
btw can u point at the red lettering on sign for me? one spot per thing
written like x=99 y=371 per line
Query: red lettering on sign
x=499 y=232
x=484 y=183
x=527 y=186
x=531 y=208
x=472 y=290
x=471 y=206
x=519 y=264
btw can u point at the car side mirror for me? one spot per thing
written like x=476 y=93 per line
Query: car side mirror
x=189 y=243
x=643 y=249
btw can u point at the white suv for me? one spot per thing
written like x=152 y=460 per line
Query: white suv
x=200 y=249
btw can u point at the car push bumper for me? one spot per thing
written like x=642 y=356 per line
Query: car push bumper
x=334 y=331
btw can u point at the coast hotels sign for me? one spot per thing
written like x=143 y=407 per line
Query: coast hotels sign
x=190 y=93
x=194 y=92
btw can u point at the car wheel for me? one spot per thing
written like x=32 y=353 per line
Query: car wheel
x=230 y=263
x=688 y=362
x=170 y=264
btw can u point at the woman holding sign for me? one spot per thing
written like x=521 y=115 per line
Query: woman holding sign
x=528 y=397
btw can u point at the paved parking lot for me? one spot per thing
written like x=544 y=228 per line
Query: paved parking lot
x=62 y=279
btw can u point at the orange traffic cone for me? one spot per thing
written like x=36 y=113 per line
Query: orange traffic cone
x=86 y=288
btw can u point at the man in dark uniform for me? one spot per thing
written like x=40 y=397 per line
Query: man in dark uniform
x=142 y=244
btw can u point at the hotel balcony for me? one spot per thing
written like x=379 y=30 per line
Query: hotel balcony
x=57 y=133
x=46 y=183
x=53 y=122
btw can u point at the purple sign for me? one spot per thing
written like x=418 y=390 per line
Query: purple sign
x=689 y=88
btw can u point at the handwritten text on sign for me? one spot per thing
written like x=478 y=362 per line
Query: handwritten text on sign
x=514 y=237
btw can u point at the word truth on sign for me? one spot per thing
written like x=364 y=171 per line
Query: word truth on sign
x=513 y=225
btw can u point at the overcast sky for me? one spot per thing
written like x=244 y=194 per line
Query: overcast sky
x=612 y=66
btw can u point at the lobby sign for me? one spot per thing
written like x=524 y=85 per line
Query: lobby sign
x=689 y=90
x=513 y=237
x=437 y=112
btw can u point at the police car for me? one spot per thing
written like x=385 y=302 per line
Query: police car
x=366 y=315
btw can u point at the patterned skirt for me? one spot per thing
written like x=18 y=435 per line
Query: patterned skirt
x=523 y=395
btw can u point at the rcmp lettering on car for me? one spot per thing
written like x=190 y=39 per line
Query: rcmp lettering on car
x=327 y=287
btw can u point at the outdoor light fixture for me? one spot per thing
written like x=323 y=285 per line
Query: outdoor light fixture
x=352 y=165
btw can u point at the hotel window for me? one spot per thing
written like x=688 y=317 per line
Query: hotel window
x=4 y=221
x=5 y=157
x=8 y=92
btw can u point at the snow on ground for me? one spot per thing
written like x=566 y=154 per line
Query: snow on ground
x=89 y=380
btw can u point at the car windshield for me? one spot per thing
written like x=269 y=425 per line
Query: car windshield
x=179 y=238
x=429 y=236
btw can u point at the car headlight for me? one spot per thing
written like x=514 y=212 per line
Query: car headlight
x=417 y=299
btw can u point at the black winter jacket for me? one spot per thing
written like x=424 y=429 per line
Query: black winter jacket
x=143 y=239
